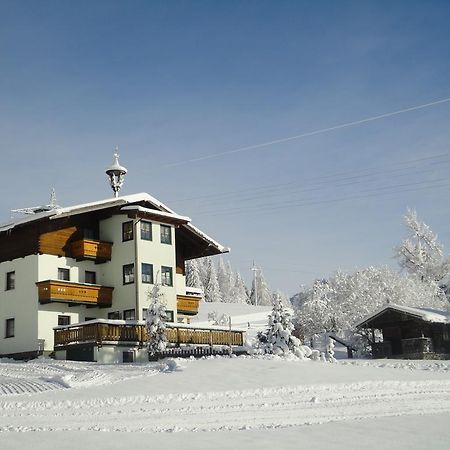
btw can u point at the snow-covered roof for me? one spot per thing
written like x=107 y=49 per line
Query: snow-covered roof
x=425 y=314
x=164 y=211
x=156 y=213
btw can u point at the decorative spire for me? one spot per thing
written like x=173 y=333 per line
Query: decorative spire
x=116 y=173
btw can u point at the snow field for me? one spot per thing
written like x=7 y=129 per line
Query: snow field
x=214 y=394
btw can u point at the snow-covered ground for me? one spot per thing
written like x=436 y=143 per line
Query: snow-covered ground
x=215 y=403
x=238 y=402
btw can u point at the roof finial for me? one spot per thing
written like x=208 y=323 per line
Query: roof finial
x=116 y=173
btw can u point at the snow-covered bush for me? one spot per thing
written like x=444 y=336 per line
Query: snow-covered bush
x=156 y=322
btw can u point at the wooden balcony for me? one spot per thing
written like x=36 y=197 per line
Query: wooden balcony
x=188 y=304
x=74 y=293
x=101 y=332
x=99 y=251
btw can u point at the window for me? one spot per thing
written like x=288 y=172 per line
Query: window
x=129 y=314
x=10 y=281
x=169 y=315
x=166 y=234
x=86 y=319
x=147 y=273
x=166 y=276
x=63 y=320
x=146 y=230
x=127 y=231
x=63 y=274
x=90 y=277
x=115 y=315
x=9 y=329
x=89 y=233
x=128 y=356
x=128 y=274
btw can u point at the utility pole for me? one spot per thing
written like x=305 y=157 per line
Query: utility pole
x=255 y=281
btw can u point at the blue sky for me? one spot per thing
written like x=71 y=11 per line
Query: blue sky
x=173 y=81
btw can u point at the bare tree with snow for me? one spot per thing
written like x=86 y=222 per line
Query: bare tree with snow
x=421 y=253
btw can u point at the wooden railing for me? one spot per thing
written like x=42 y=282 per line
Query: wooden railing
x=188 y=304
x=100 y=332
x=67 y=292
x=91 y=249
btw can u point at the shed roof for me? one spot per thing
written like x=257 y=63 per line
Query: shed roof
x=425 y=314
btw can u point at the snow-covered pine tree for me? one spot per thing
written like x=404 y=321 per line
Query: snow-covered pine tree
x=263 y=296
x=193 y=278
x=278 y=339
x=224 y=276
x=421 y=253
x=212 y=289
x=239 y=291
x=156 y=321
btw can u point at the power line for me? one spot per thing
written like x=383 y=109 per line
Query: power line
x=372 y=193
x=337 y=176
x=308 y=134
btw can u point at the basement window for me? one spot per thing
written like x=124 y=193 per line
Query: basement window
x=128 y=356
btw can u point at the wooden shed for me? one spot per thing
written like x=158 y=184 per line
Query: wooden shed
x=409 y=333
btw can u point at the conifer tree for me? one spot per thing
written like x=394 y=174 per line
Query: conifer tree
x=156 y=321
x=278 y=339
x=212 y=289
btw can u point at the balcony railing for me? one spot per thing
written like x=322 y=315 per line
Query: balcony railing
x=188 y=304
x=100 y=332
x=100 y=251
x=76 y=293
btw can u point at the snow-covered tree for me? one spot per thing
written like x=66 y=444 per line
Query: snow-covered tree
x=238 y=293
x=212 y=289
x=193 y=278
x=224 y=278
x=421 y=253
x=260 y=293
x=156 y=321
x=338 y=303
x=278 y=339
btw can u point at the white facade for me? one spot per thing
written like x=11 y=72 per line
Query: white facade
x=33 y=321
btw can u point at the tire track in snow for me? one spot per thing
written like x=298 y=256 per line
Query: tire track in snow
x=231 y=410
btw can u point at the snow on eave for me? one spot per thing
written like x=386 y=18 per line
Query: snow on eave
x=156 y=212
x=24 y=220
x=199 y=233
x=126 y=200
x=426 y=314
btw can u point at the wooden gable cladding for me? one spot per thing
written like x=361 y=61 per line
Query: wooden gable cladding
x=57 y=242
x=18 y=243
